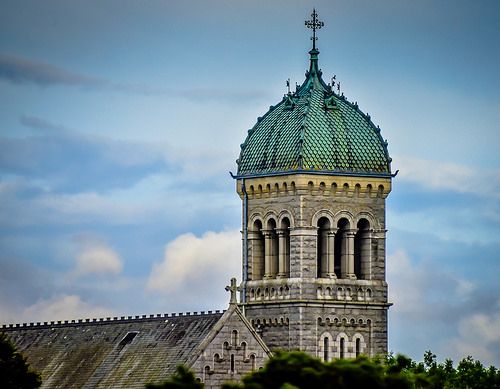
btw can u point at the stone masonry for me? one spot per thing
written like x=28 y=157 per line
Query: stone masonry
x=300 y=306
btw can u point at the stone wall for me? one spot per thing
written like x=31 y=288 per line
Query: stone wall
x=233 y=352
x=299 y=311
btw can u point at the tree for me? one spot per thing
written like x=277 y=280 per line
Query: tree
x=14 y=370
x=183 y=378
x=300 y=370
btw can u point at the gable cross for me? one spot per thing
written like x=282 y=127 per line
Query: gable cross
x=233 y=289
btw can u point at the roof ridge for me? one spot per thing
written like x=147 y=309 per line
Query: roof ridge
x=107 y=320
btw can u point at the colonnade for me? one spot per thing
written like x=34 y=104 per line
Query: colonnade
x=271 y=247
x=342 y=251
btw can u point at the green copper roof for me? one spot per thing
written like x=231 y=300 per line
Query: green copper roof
x=314 y=130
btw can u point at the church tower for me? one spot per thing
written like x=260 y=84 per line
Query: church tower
x=313 y=176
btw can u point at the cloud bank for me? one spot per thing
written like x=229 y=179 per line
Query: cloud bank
x=197 y=268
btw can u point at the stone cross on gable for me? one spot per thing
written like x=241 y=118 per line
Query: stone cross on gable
x=233 y=289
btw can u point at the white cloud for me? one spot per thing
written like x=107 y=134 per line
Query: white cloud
x=197 y=268
x=449 y=176
x=96 y=257
x=63 y=307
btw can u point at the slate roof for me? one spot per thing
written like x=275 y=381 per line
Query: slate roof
x=111 y=353
x=314 y=130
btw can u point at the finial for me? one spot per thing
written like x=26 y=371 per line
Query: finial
x=233 y=289
x=315 y=24
x=288 y=85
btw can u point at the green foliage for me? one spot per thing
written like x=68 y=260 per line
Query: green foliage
x=295 y=370
x=183 y=378
x=14 y=371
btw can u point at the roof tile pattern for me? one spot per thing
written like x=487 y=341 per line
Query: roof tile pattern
x=314 y=129
x=111 y=354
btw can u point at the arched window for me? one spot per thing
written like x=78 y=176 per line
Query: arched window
x=284 y=248
x=234 y=338
x=358 y=347
x=253 y=362
x=256 y=243
x=326 y=349
x=362 y=250
x=342 y=348
x=322 y=247
x=342 y=249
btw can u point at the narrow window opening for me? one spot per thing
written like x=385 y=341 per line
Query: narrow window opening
x=362 y=247
x=257 y=253
x=358 y=347
x=342 y=348
x=326 y=347
x=322 y=247
x=284 y=247
x=232 y=363
x=252 y=361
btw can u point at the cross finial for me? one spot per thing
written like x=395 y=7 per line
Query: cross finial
x=315 y=24
x=233 y=289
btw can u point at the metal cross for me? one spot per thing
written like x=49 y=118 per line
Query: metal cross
x=233 y=289
x=315 y=24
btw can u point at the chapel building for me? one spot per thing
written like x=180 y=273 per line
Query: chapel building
x=313 y=175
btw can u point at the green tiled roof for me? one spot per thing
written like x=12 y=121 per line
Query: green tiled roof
x=314 y=130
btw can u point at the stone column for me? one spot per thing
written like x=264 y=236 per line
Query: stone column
x=268 y=253
x=349 y=254
x=282 y=254
x=330 y=273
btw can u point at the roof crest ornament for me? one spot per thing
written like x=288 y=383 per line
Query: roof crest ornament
x=314 y=24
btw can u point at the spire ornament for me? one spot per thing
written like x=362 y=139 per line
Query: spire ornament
x=315 y=24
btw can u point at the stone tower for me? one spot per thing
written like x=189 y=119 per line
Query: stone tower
x=313 y=176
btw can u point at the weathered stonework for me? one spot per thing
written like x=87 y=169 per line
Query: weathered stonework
x=232 y=350
x=309 y=304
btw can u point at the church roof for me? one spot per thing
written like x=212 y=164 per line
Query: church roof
x=314 y=130
x=112 y=353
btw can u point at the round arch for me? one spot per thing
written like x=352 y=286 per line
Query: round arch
x=322 y=213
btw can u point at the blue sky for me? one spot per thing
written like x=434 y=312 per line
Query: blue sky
x=121 y=119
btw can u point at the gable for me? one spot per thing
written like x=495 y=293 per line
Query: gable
x=230 y=351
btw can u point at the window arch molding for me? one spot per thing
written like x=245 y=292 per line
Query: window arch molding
x=271 y=215
x=322 y=213
x=344 y=214
x=369 y=217
x=325 y=355
x=285 y=214
x=341 y=341
x=361 y=344
x=256 y=216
